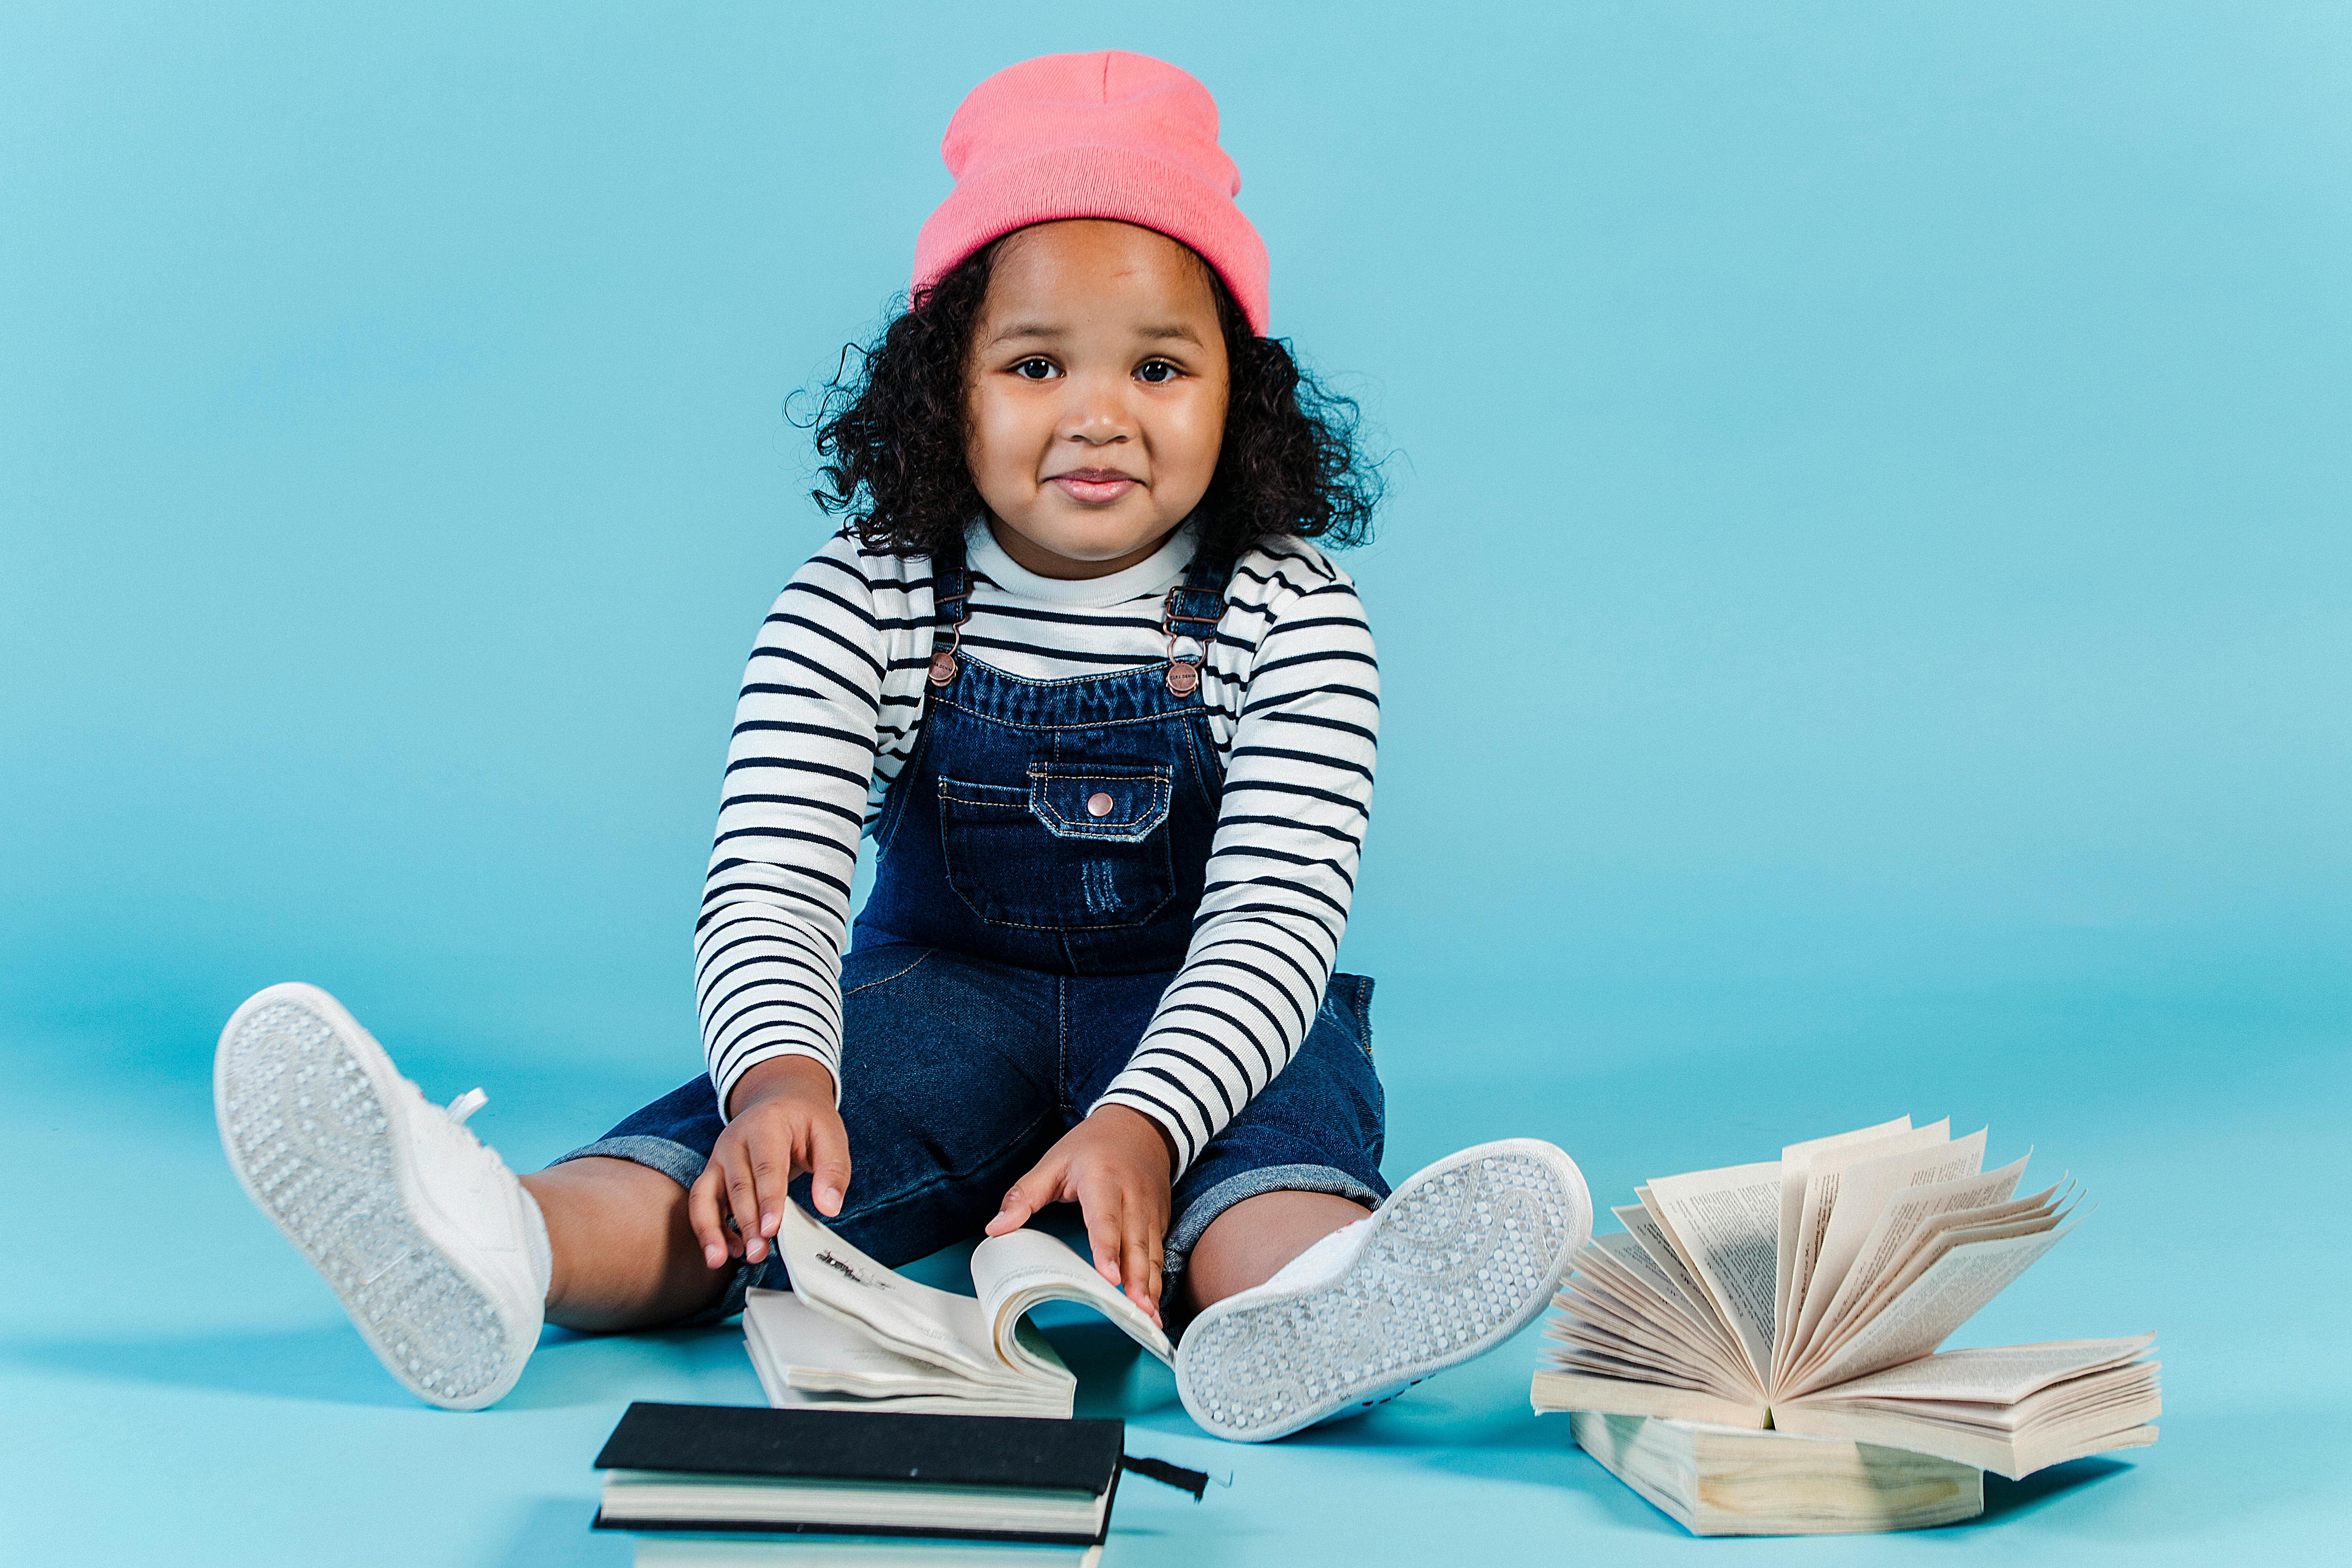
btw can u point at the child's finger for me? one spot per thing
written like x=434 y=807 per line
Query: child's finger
x=1106 y=1219
x=743 y=1202
x=772 y=1174
x=828 y=1163
x=702 y=1214
x=1027 y=1196
x=1136 y=1266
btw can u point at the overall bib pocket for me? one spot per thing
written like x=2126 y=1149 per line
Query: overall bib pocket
x=1081 y=847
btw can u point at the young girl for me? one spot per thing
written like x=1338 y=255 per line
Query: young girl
x=1109 y=719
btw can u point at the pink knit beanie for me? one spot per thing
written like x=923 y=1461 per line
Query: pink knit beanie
x=1109 y=134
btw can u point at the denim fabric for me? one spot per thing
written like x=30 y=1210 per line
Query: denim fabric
x=1039 y=865
x=957 y=1074
x=987 y=843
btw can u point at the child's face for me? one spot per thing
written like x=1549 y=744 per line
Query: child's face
x=1097 y=393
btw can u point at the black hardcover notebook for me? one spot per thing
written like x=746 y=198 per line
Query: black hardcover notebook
x=728 y=1468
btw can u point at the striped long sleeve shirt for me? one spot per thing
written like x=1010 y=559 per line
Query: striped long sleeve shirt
x=833 y=703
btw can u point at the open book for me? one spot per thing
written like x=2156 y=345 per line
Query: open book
x=1808 y=1293
x=853 y=1335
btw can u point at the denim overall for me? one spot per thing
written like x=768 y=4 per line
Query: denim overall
x=1040 y=860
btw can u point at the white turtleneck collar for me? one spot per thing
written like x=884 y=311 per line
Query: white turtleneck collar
x=1161 y=572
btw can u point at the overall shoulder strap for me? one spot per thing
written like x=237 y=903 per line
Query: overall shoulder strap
x=1199 y=599
x=950 y=607
x=950 y=590
x=1194 y=607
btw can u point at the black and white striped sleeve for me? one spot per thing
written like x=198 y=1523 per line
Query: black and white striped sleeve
x=1297 y=793
x=775 y=903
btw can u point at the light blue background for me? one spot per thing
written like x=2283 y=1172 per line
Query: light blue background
x=1862 y=612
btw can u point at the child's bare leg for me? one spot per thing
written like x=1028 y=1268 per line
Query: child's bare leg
x=625 y=1256
x=1248 y=1243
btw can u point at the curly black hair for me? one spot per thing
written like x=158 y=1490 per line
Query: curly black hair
x=891 y=428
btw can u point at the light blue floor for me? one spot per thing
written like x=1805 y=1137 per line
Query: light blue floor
x=179 y=1389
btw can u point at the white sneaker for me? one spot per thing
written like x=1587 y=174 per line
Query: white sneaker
x=421 y=1230
x=1462 y=1255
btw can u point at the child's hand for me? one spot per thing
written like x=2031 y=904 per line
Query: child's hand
x=784 y=1123
x=1114 y=1166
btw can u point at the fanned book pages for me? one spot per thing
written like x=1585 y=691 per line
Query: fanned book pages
x=853 y=1335
x=1809 y=1293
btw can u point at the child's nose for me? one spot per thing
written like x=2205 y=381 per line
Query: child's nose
x=1097 y=415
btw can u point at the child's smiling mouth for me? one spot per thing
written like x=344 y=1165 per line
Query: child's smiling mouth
x=1095 y=487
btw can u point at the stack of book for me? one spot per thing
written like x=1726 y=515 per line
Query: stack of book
x=1754 y=1353
x=711 y=1485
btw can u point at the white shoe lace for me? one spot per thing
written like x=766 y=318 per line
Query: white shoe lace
x=458 y=1140
x=458 y=1144
x=464 y=1141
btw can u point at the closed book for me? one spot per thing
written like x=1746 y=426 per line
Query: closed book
x=721 y=1468
x=1726 y=1480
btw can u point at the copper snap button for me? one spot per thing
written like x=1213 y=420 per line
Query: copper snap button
x=1098 y=805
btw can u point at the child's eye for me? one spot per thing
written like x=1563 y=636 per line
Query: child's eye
x=1036 y=370
x=1155 y=372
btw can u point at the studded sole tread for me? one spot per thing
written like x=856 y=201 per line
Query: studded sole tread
x=1461 y=1258
x=310 y=1118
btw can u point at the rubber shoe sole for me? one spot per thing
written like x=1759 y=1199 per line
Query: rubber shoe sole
x=1465 y=1255
x=314 y=1118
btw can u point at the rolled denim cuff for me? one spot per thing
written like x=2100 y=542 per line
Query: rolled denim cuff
x=1204 y=1207
x=676 y=1160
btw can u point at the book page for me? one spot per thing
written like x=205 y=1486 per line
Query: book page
x=993 y=1399
x=908 y=1317
x=1569 y=1390
x=1999 y=1376
x=1590 y=1306
x=1863 y=1190
x=1943 y=1298
x=1645 y=1224
x=1618 y=1265
x=1819 y=1190
x=1900 y=1227
x=808 y=1349
x=2026 y=1217
x=1019 y=1271
x=1593 y=1363
x=773 y=1318
x=1591 y=1321
x=1589 y=1327
x=1630 y=1255
x=1871 y=1184
x=1994 y=1448
x=1796 y=1159
x=1641 y=1222
x=1937 y=1235
x=1727 y=1221
x=2121 y=1395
